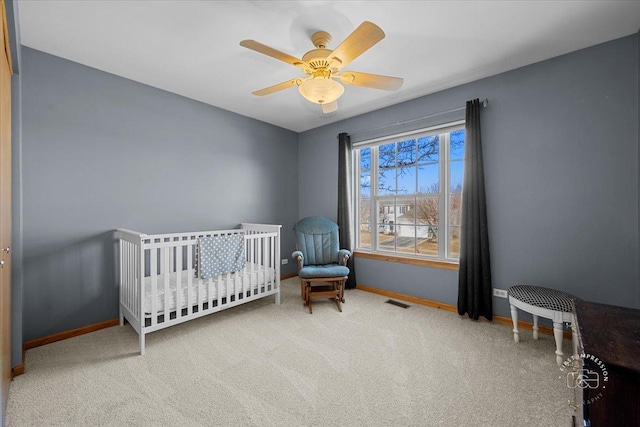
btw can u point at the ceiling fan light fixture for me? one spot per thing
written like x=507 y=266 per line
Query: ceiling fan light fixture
x=322 y=65
x=321 y=90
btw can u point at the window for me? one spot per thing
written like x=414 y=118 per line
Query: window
x=409 y=193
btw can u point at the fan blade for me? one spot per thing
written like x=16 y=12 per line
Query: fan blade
x=274 y=53
x=371 y=80
x=276 y=88
x=360 y=40
x=329 y=107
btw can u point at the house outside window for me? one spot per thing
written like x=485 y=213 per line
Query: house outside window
x=409 y=193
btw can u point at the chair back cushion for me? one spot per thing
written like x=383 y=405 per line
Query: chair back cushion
x=318 y=240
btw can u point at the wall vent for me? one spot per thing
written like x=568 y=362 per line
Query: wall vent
x=397 y=303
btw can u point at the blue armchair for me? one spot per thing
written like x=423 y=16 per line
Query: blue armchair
x=322 y=265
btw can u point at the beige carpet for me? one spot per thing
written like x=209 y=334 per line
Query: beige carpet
x=266 y=365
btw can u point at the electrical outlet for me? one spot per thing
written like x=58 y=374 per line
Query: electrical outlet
x=500 y=293
x=285 y=261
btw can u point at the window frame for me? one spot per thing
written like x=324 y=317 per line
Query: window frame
x=443 y=196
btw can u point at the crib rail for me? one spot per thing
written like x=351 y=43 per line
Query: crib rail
x=159 y=286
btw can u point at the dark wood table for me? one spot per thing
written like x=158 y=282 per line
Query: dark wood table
x=609 y=346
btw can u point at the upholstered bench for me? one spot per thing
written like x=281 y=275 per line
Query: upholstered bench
x=547 y=303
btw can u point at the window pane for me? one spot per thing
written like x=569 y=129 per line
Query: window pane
x=386 y=225
x=427 y=213
x=428 y=149
x=365 y=185
x=365 y=211
x=457 y=172
x=427 y=210
x=405 y=239
x=455 y=213
x=387 y=156
x=365 y=159
x=427 y=240
x=386 y=241
x=407 y=152
x=386 y=182
x=365 y=236
x=407 y=180
x=405 y=210
x=454 y=242
x=429 y=179
x=457 y=144
x=386 y=212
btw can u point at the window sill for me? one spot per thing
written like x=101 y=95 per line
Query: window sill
x=446 y=265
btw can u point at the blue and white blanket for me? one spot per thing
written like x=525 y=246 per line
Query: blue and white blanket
x=220 y=254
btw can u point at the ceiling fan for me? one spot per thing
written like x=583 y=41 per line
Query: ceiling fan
x=322 y=65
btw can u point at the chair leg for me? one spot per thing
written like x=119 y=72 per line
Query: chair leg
x=338 y=298
x=308 y=297
x=305 y=292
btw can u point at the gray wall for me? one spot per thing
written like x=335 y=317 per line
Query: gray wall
x=102 y=152
x=560 y=141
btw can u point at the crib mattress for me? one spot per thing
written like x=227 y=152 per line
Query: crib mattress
x=246 y=279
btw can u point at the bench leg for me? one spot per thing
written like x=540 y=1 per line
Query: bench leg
x=535 y=327
x=514 y=318
x=557 y=334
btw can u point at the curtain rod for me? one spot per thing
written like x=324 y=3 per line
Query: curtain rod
x=483 y=104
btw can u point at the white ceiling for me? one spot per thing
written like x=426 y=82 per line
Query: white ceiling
x=192 y=48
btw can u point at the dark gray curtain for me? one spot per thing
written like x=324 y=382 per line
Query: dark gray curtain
x=474 y=275
x=345 y=218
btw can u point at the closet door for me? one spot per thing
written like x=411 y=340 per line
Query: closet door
x=5 y=215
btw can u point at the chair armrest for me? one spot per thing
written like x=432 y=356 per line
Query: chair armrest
x=297 y=255
x=343 y=256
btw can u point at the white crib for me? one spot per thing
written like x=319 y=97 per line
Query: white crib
x=158 y=287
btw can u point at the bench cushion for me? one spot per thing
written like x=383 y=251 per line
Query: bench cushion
x=538 y=296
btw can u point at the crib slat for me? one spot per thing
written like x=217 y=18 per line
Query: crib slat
x=210 y=293
x=179 y=285
x=172 y=249
x=239 y=284
x=253 y=261
x=128 y=248
x=166 y=270
x=132 y=276
x=260 y=273
x=189 y=280
x=272 y=259
x=153 y=261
